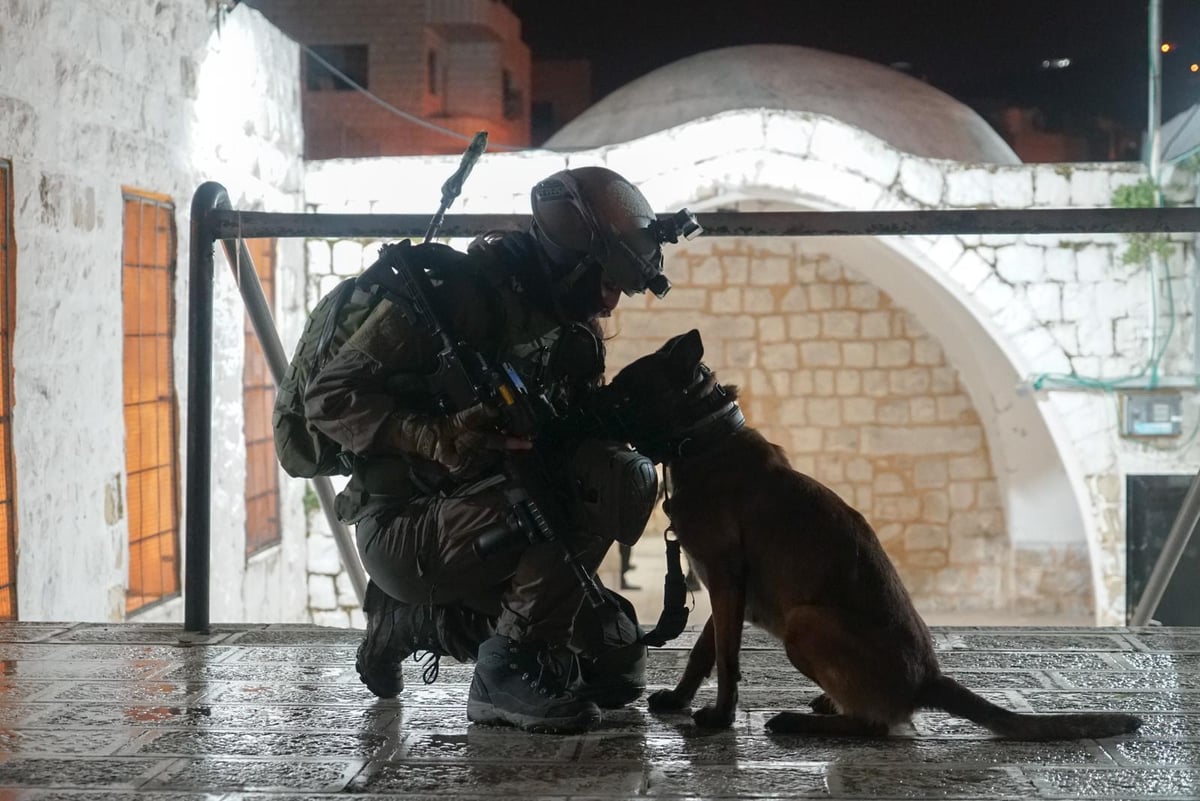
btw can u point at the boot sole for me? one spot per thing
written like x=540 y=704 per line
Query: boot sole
x=376 y=690
x=489 y=714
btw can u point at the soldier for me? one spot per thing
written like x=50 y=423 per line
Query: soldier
x=425 y=485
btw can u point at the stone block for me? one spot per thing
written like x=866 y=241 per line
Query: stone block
x=924 y=537
x=1050 y=187
x=323 y=556
x=737 y=269
x=927 y=352
x=1019 y=263
x=912 y=381
x=893 y=412
x=922 y=410
x=876 y=325
x=889 y=484
x=770 y=329
x=890 y=441
x=897 y=509
x=954 y=409
x=935 y=507
x=802 y=382
x=804 y=326
x=858 y=410
x=726 y=301
x=860 y=470
x=708 y=272
x=758 y=300
x=875 y=383
x=1045 y=299
x=930 y=474
x=1012 y=187
x=792 y=412
x=842 y=441
x=779 y=356
x=322 y=593
x=969 y=187
x=794 y=299
x=820 y=297
x=962 y=495
x=824 y=411
x=770 y=271
x=923 y=181
x=858 y=354
x=1060 y=264
x=347 y=257
x=807 y=439
x=821 y=354
x=894 y=353
x=943 y=380
x=1094 y=264
x=848 y=382
x=839 y=324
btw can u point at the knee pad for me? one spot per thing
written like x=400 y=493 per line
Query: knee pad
x=616 y=487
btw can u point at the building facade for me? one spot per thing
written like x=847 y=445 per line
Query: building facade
x=458 y=64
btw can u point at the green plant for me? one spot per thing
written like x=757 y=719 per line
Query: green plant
x=311 y=501
x=1141 y=246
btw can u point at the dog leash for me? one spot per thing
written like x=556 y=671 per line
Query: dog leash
x=674 y=617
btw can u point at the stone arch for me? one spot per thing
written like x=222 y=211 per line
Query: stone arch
x=1043 y=496
x=963 y=290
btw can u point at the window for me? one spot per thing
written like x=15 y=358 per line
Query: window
x=327 y=67
x=513 y=99
x=431 y=66
x=151 y=440
x=8 y=521
x=258 y=393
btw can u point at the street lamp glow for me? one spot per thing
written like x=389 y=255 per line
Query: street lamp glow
x=1166 y=47
x=1195 y=68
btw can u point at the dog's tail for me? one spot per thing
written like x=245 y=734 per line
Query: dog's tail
x=943 y=692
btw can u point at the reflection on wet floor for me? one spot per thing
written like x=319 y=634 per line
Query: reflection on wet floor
x=132 y=711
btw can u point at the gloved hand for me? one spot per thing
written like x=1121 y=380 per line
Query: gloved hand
x=462 y=442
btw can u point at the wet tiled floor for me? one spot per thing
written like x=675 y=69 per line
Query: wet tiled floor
x=276 y=712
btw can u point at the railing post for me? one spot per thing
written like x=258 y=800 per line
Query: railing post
x=197 y=489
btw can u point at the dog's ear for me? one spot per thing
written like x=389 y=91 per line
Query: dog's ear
x=685 y=352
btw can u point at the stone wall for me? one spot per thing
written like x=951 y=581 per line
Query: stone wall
x=160 y=96
x=857 y=393
x=1004 y=310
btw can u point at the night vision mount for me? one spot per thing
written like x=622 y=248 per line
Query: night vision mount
x=681 y=223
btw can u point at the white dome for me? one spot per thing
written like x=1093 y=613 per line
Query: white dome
x=908 y=114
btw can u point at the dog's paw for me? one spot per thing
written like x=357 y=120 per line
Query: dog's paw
x=823 y=705
x=711 y=717
x=666 y=701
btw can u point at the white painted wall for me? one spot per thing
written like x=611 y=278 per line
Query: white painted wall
x=96 y=96
x=1005 y=308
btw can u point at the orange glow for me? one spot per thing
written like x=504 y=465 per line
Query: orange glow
x=1166 y=47
x=1195 y=68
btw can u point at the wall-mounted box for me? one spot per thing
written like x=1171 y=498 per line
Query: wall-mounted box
x=1151 y=414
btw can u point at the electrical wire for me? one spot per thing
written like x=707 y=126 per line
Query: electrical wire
x=413 y=118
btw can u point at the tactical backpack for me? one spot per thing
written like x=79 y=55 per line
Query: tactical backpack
x=303 y=451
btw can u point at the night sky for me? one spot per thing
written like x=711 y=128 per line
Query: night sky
x=979 y=51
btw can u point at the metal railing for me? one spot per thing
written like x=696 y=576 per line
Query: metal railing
x=214 y=219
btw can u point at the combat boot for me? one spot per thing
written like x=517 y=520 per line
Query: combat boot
x=529 y=686
x=396 y=630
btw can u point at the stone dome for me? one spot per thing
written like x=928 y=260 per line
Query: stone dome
x=908 y=114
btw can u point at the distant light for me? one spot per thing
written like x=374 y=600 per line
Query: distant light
x=1166 y=47
x=1056 y=63
x=1195 y=68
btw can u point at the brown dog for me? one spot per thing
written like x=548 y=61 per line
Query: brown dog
x=778 y=548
